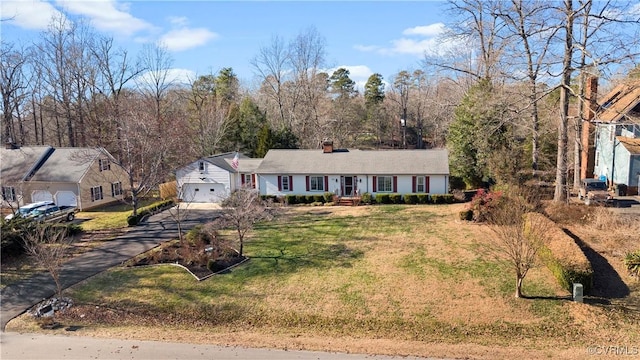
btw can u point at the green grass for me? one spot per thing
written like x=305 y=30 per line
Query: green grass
x=318 y=274
x=113 y=216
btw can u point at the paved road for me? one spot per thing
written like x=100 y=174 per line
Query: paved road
x=38 y=346
x=15 y=299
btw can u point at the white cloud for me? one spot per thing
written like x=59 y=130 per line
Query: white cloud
x=178 y=20
x=29 y=14
x=107 y=15
x=417 y=41
x=427 y=30
x=185 y=38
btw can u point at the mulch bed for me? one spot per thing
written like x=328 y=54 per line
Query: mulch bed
x=194 y=258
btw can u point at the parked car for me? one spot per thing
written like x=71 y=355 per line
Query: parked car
x=26 y=210
x=594 y=191
x=54 y=213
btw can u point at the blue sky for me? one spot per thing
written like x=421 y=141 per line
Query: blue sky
x=205 y=36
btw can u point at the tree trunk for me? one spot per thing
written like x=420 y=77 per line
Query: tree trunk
x=560 y=194
x=519 y=286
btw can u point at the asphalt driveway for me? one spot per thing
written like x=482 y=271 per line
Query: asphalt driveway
x=17 y=298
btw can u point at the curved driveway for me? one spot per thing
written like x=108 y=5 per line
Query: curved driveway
x=17 y=298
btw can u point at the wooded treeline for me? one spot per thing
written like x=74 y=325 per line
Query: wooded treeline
x=497 y=94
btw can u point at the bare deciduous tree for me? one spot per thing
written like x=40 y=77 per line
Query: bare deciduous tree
x=517 y=237
x=48 y=244
x=242 y=210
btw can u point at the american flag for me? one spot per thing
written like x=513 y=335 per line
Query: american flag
x=234 y=162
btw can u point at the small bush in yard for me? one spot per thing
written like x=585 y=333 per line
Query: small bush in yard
x=395 y=198
x=383 y=199
x=328 y=197
x=302 y=199
x=366 y=198
x=632 y=263
x=482 y=204
x=411 y=199
x=318 y=198
x=291 y=199
x=423 y=198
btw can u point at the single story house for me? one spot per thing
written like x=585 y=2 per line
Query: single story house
x=347 y=172
x=81 y=177
x=212 y=179
x=617 y=137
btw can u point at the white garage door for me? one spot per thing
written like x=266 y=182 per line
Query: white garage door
x=203 y=193
x=41 y=195
x=66 y=198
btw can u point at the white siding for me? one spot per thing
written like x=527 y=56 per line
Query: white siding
x=190 y=178
x=438 y=184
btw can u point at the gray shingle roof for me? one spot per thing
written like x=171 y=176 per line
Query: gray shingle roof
x=15 y=163
x=66 y=165
x=370 y=162
x=223 y=161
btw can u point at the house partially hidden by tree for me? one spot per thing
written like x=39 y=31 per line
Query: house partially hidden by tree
x=613 y=145
x=81 y=177
x=348 y=172
x=212 y=179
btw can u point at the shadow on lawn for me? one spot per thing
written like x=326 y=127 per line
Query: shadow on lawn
x=607 y=283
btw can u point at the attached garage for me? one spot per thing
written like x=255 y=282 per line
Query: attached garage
x=66 y=198
x=41 y=195
x=203 y=193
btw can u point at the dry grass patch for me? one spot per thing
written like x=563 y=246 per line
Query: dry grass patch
x=403 y=280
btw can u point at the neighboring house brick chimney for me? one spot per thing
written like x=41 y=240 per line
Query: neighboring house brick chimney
x=327 y=147
x=590 y=107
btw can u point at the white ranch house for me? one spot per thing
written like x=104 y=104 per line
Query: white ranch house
x=343 y=172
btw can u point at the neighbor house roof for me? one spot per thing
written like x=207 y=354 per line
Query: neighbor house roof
x=223 y=160
x=16 y=163
x=67 y=165
x=247 y=165
x=619 y=102
x=47 y=164
x=631 y=144
x=369 y=162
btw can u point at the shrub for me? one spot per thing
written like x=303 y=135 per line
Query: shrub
x=395 y=198
x=383 y=199
x=466 y=215
x=411 y=199
x=73 y=229
x=632 y=263
x=290 y=199
x=449 y=198
x=309 y=199
x=318 y=198
x=423 y=198
x=561 y=255
x=133 y=220
x=437 y=199
x=366 y=198
x=302 y=199
x=328 y=197
x=482 y=204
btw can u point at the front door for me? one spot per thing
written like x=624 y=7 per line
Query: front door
x=348 y=186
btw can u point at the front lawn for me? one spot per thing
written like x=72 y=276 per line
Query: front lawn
x=113 y=216
x=404 y=280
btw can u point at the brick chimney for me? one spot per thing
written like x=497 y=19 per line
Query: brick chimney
x=327 y=147
x=589 y=109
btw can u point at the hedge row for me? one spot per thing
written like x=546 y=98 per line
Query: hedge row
x=366 y=198
x=561 y=255
x=148 y=210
